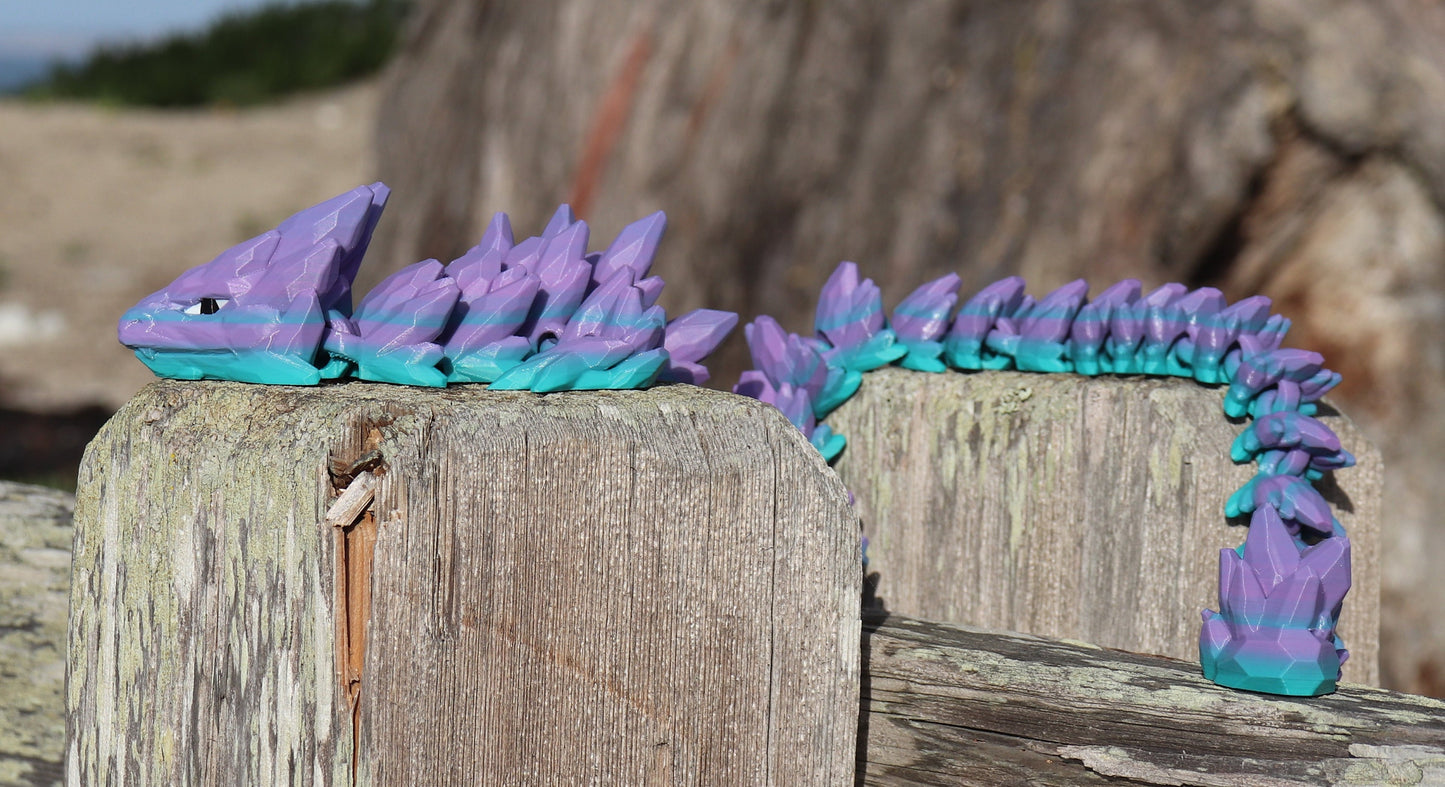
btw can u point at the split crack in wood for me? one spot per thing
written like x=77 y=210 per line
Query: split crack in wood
x=352 y=519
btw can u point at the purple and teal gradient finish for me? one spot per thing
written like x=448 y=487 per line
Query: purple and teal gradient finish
x=1291 y=443
x=793 y=371
x=796 y=405
x=1089 y=335
x=1278 y=608
x=260 y=310
x=1037 y=339
x=392 y=336
x=920 y=322
x=1274 y=633
x=541 y=314
x=610 y=341
x=850 y=319
x=688 y=339
x=965 y=347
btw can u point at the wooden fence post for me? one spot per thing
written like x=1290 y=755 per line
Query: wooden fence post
x=374 y=584
x=1070 y=506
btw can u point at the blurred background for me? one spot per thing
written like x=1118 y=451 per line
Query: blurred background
x=1291 y=148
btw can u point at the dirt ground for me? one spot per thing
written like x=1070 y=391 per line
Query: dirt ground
x=99 y=207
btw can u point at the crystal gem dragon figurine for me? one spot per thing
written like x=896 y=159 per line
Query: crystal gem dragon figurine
x=540 y=314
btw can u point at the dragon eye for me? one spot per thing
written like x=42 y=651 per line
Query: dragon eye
x=207 y=306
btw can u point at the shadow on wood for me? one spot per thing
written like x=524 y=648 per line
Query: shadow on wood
x=34 y=589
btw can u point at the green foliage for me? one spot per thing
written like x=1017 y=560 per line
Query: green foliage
x=245 y=58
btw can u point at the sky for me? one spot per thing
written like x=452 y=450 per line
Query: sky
x=68 y=28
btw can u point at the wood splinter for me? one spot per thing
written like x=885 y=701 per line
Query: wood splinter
x=353 y=500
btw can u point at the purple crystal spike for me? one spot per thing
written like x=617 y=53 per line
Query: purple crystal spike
x=1126 y=337
x=921 y=320
x=615 y=311
x=1314 y=389
x=1330 y=561
x=756 y=385
x=498 y=235
x=792 y=401
x=1201 y=310
x=1164 y=322
x=1284 y=462
x=525 y=254
x=1324 y=463
x=349 y=219
x=796 y=406
x=561 y=220
x=690 y=338
x=480 y=341
x=1252 y=343
x=564 y=275
x=633 y=249
x=850 y=318
x=1288 y=430
x=1217 y=352
x=651 y=288
x=475 y=270
x=784 y=357
x=1270 y=552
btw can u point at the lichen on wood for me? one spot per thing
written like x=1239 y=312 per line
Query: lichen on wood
x=954 y=704
x=34 y=592
x=1069 y=506
x=633 y=585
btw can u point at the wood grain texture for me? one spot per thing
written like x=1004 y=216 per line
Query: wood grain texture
x=627 y=587
x=34 y=593
x=957 y=705
x=1076 y=507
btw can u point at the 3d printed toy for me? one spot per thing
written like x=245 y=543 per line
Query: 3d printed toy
x=1280 y=594
x=541 y=314
x=545 y=315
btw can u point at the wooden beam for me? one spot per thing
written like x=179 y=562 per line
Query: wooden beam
x=953 y=704
x=34 y=589
x=1089 y=508
x=396 y=585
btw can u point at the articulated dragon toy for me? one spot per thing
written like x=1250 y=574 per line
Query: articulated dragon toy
x=540 y=314
x=544 y=314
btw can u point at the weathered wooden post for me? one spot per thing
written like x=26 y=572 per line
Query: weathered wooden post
x=366 y=583
x=1089 y=508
